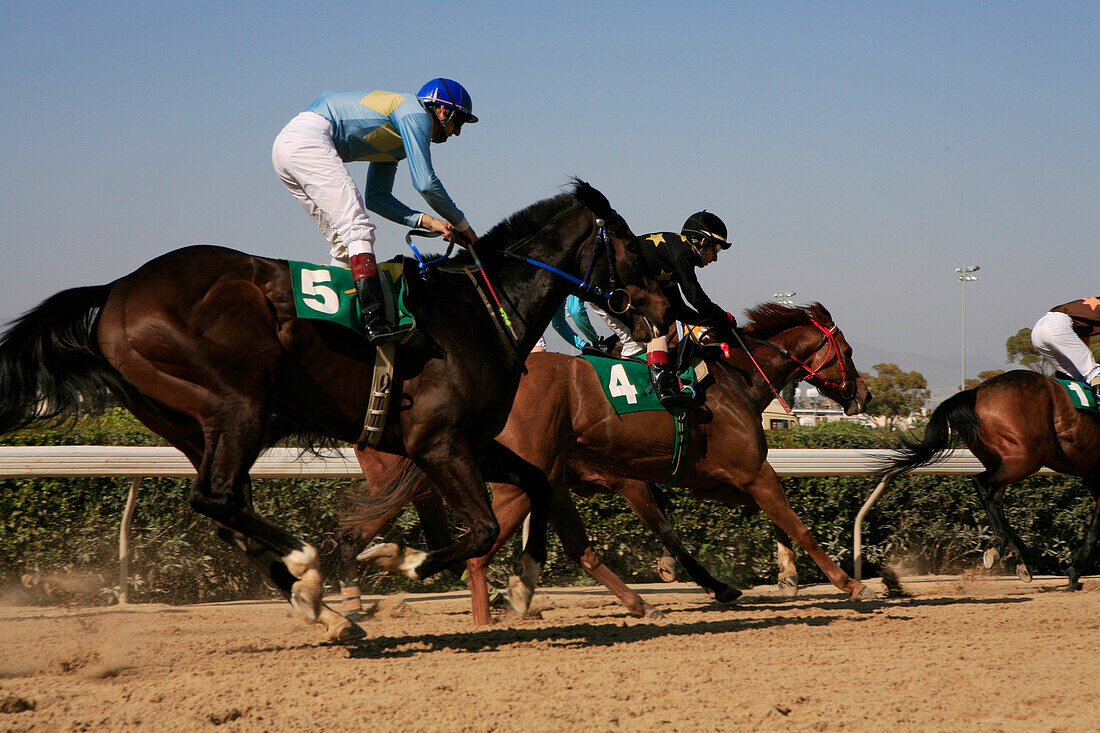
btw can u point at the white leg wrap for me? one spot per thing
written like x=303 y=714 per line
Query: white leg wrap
x=299 y=561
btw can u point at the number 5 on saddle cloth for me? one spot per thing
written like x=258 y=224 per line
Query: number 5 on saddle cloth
x=327 y=293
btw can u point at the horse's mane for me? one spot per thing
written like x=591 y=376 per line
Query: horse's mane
x=530 y=220
x=767 y=319
x=527 y=222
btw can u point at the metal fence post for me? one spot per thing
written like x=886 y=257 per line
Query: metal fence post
x=857 y=531
x=124 y=544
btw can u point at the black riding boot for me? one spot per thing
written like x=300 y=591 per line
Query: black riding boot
x=377 y=329
x=1096 y=394
x=666 y=385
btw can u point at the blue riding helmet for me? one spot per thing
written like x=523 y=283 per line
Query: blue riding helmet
x=450 y=94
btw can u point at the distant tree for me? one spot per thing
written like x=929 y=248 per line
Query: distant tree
x=1019 y=350
x=982 y=376
x=897 y=394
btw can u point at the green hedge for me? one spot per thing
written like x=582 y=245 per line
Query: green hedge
x=53 y=527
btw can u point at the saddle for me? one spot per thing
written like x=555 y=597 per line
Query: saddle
x=1080 y=393
x=328 y=293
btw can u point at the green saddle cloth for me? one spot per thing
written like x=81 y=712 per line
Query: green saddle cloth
x=327 y=293
x=1080 y=394
x=627 y=386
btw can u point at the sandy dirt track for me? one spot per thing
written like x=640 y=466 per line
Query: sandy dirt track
x=963 y=653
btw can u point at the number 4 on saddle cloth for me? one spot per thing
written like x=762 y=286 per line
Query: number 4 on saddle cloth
x=627 y=386
x=328 y=293
x=1080 y=394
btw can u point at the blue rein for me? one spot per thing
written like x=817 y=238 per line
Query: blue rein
x=586 y=290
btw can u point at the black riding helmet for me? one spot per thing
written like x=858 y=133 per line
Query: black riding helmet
x=706 y=225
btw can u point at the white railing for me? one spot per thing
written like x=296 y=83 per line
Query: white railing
x=140 y=462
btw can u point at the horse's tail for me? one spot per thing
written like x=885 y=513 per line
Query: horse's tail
x=385 y=496
x=51 y=367
x=954 y=421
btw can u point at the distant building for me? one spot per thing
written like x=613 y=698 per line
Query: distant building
x=776 y=418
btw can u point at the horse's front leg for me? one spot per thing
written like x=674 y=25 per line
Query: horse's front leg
x=770 y=497
x=643 y=500
x=501 y=465
x=1081 y=556
x=788 y=571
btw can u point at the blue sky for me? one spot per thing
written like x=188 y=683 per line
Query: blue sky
x=859 y=152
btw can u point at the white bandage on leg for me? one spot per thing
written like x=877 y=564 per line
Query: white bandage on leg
x=306 y=160
x=630 y=346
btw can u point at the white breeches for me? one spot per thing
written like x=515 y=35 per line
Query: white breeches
x=630 y=346
x=1053 y=337
x=306 y=160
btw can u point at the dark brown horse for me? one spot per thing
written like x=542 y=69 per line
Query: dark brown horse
x=204 y=346
x=561 y=422
x=1015 y=424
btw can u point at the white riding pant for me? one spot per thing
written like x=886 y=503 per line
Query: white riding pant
x=1053 y=337
x=630 y=346
x=307 y=162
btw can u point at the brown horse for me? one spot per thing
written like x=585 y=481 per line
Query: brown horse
x=561 y=421
x=204 y=346
x=1014 y=423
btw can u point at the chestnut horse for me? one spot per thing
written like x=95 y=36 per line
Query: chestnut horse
x=562 y=422
x=1014 y=423
x=203 y=346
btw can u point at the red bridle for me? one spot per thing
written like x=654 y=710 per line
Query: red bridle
x=845 y=387
x=813 y=373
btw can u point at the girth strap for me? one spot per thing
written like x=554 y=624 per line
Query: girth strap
x=678 y=440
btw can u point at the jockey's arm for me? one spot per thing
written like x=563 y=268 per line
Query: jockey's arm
x=378 y=195
x=705 y=310
x=417 y=142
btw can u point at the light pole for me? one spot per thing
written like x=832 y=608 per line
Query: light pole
x=784 y=296
x=965 y=275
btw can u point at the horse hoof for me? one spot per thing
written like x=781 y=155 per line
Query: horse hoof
x=653 y=614
x=729 y=594
x=788 y=585
x=865 y=594
x=392 y=558
x=345 y=632
x=519 y=594
x=305 y=595
x=990 y=558
x=666 y=569
x=1023 y=573
x=380 y=553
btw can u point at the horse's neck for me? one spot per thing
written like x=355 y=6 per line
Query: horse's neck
x=781 y=370
x=530 y=294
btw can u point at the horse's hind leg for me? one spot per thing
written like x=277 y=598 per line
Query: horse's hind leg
x=574 y=539
x=222 y=491
x=642 y=499
x=991 y=487
x=1081 y=556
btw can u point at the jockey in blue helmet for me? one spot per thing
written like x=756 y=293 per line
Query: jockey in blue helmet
x=380 y=128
